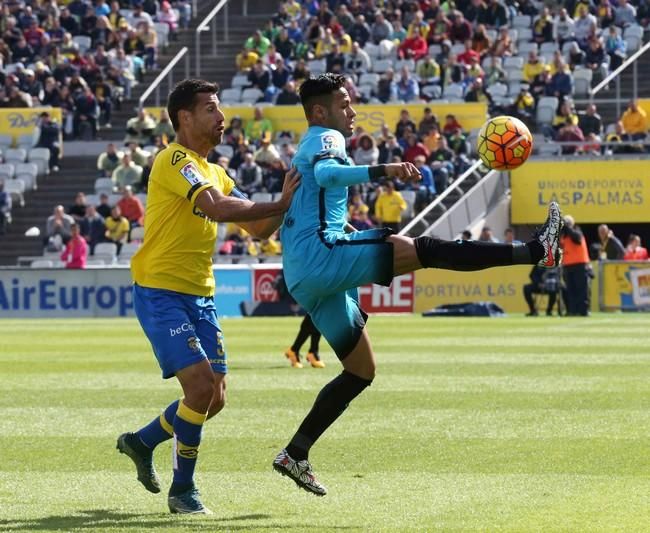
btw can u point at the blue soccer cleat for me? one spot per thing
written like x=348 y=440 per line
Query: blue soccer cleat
x=187 y=502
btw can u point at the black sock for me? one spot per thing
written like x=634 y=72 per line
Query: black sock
x=330 y=403
x=179 y=488
x=473 y=255
x=305 y=330
x=313 y=344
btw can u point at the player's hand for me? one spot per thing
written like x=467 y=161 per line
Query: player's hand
x=291 y=182
x=403 y=171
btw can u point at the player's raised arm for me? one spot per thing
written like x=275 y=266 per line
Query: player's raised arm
x=330 y=172
x=222 y=208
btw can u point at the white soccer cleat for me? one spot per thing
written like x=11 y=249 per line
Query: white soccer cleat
x=549 y=237
x=300 y=472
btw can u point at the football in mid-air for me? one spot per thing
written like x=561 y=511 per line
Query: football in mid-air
x=504 y=143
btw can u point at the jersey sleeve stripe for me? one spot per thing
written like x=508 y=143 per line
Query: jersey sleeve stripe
x=195 y=188
x=328 y=155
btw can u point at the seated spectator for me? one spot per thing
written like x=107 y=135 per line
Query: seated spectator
x=451 y=125
x=569 y=132
x=428 y=122
x=426 y=188
x=468 y=55
x=389 y=207
x=92 y=228
x=563 y=27
x=104 y=207
x=406 y=87
x=503 y=45
x=357 y=61
x=267 y=153
x=169 y=17
x=414 y=47
x=624 y=14
x=414 y=148
x=481 y=42
x=249 y=176
x=256 y=127
x=366 y=152
x=595 y=58
x=138 y=155
x=385 y=91
x=432 y=138
x=543 y=27
x=561 y=82
x=138 y=15
x=643 y=14
x=140 y=128
x=109 y=160
x=131 y=207
x=389 y=148
x=487 y=235
x=164 y=128
x=635 y=122
x=5 y=208
x=117 y=228
x=533 y=67
x=271 y=246
x=356 y=206
x=335 y=60
x=524 y=105
x=50 y=137
x=460 y=30
x=258 y=43
x=143 y=186
x=78 y=209
x=617 y=137
x=246 y=59
x=615 y=47
x=57 y=229
x=128 y=173
x=360 y=31
x=75 y=253
x=288 y=95
x=590 y=121
x=405 y=122
x=476 y=92
x=381 y=29
x=586 y=26
x=149 y=37
x=494 y=72
x=259 y=76
x=634 y=251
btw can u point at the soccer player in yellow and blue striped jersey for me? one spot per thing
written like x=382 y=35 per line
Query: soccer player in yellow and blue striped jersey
x=173 y=290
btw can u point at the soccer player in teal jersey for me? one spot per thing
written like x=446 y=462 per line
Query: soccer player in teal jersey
x=341 y=259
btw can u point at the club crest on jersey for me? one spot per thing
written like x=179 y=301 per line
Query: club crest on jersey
x=191 y=174
x=193 y=344
x=177 y=156
x=329 y=142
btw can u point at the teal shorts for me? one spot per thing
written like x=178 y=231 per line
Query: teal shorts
x=182 y=329
x=329 y=294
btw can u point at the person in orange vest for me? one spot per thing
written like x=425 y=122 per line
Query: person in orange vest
x=577 y=269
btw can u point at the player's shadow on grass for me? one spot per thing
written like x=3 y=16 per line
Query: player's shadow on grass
x=104 y=519
x=99 y=519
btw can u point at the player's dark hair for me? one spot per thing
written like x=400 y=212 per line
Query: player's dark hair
x=183 y=97
x=319 y=90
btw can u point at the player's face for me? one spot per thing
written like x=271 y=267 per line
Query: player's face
x=208 y=119
x=341 y=114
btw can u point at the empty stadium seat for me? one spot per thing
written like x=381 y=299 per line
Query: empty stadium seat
x=225 y=150
x=15 y=155
x=382 y=65
x=230 y=96
x=26 y=141
x=434 y=50
x=409 y=198
x=251 y=96
x=409 y=63
x=107 y=251
x=522 y=21
x=527 y=48
x=454 y=92
x=549 y=149
x=16 y=188
x=239 y=80
x=162 y=31
x=40 y=156
x=42 y=263
x=582 y=78
x=523 y=35
x=546 y=109
x=6 y=141
x=372 y=50
x=317 y=66
x=143 y=198
x=92 y=199
x=261 y=197
x=137 y=233
x=369 y=78
x=27 y=172
x=128 y=249
x=548 y=49
x=633 y=35
x=7 y=171
x=83 y=42
x=103 y=185
x=457 y=48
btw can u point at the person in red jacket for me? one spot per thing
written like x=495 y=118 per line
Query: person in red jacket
x=413 y=48
x=76 y=251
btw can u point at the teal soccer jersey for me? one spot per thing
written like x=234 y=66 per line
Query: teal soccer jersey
x=324 y=265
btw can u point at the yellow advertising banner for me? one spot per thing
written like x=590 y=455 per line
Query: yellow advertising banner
x=503 y=286
x=19 y=121
x=370 y=117
x=590 y=191
x=624 y=284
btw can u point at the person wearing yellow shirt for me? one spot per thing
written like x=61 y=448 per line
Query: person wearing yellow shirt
x=117 y=228
x=173 y=291
x=532 y=67
x=246 y=59
x=635 y=121
x=257 y=127
x=271 y=246
x=389 y=207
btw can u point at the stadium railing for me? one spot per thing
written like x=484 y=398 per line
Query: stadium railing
x=168 y=73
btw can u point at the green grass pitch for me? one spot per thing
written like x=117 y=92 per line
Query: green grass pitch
x=514 y=424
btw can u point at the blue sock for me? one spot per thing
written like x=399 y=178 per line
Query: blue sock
x=159 y=429
x=187 y=437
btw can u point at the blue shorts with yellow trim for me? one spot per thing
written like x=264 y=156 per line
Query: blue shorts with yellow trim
x=183 y=329
x=330 y=295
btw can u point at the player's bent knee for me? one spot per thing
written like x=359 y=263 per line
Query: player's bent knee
x=200 y=393
x=405 y=257
x=219 y=398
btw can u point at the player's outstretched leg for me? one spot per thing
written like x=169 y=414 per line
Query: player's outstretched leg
x=139 y=446
x=543 y=250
